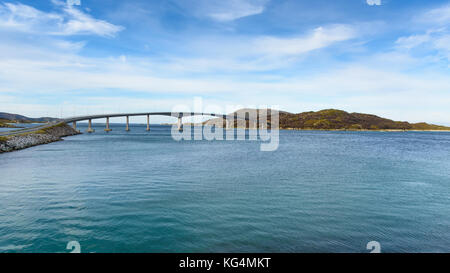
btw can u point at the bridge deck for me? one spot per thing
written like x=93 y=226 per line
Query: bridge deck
x=90 y=117
x=170 y=114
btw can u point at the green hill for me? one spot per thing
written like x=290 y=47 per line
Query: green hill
x=332 y=119
x=7 y=118
x=4 y=123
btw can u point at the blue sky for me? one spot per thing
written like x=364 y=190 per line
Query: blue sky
x=386 y=57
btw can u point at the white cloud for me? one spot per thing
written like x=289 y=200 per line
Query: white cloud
x=370 y=85
x=412 y=41
x=74 y=2
x=224 y=11
x=366 y=94
x=70 y=21
x=26 y=18
x=440 y=16
x=434 y=39
x=443 y=42
x=82 y=23
x=373 y=2
x=353 y=87
x=262 y=53
x=443 y=45
x=319 y=38
x=55 y=72
x=235 y=9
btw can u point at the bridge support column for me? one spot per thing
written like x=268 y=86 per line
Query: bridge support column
x=107 y=125
x=128 y=126
x=227 y=124
x=148 y=122
x=90 y=130
x=75 y=125
x=180 y=124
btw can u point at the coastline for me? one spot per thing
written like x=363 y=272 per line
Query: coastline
x=8 y=125
x=55 y=133
x=340 y=130
x=44 y=136
x=364 y=130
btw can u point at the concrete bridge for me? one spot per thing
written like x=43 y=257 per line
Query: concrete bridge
x=228 y=118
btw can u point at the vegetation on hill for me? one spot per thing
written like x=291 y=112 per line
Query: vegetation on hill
x=15 y=118
x=332 y=119
x=4 y=123
x=6 y=119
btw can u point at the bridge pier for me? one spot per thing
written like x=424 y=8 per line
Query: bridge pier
x=180 y=124
x=229 y=119
x=107 y=125
x=75 y=126
x=90 y=130
x=227 y=124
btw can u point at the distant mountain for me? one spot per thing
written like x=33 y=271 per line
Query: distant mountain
x=332 y=119
x=24 y=119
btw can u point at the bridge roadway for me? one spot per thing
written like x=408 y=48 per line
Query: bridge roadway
x=89 y=118
x=30 y=130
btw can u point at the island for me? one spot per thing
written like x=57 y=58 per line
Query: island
x=333 y=119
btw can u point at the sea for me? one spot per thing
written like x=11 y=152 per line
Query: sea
x=139 y=191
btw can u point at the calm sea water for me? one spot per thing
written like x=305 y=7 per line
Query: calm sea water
x=20 y=126
x=142 y=191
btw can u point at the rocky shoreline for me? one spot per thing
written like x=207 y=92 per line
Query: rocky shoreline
x=44 y=136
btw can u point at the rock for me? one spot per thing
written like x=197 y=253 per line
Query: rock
x=48 y=135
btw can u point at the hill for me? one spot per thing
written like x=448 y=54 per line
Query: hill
x=332 y=119
x=24 y=119
x=6 y=118
x=4 y=123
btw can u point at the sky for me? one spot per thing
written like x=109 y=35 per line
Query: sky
x=385 y=57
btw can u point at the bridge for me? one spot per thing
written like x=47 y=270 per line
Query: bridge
x=89 y=118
